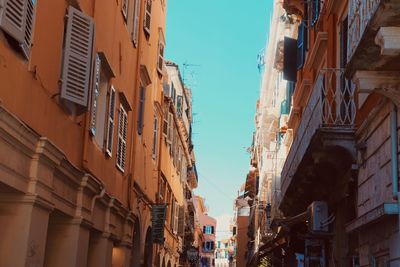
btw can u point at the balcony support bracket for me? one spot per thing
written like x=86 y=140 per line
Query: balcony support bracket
x=388 y=38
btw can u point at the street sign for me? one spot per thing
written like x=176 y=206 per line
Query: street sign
x=158 y=214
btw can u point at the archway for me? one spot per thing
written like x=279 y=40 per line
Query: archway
x=135 y=252
x=169 y=264
x=148 y=249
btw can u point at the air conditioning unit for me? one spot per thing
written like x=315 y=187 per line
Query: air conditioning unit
x=317 y=214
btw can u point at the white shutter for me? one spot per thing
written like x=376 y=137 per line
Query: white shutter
x=124 y=8
x=110 y=123
x=95 y=95
x=29 y=22
x=122 y=135
x=12 y=18
x=147 y=17
x=136 y=20
x=77 y=57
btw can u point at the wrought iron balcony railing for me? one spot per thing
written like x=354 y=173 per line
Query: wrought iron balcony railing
x=360 y=13
x=331 y=106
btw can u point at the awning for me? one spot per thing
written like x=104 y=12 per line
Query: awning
x=386 y=209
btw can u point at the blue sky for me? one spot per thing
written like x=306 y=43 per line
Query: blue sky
x=222 y=38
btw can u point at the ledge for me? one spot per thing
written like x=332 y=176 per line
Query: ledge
x=317 y=51
x=373 y=215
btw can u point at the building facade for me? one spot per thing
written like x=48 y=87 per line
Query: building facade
x=335 y=199
x=84 y=156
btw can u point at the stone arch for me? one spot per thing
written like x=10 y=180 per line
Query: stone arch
x=169 y=264
x=135 y=251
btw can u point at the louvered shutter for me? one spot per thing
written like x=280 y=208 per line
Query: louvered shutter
x=124 y=8
x=181 y=222
x=95 y=95
x=136 y=20
x=170 y=127
x=29 y=22
x=155 y=135
x=77 y=57
x=141 y=111
x=160 y=61
x=110 y=122
x=147 y=17
x=176 y=218
x=122 y=135
x=12 y=18
x=301 y=45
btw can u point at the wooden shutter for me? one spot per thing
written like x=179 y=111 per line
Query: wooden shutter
x=141 y=111
x=124 y=8
x=170 y=127
x=181 y=222
x=12 y=18
x=122 y=135
x=179 y=106
x=28 y=32
x=155 y=135
x=172 y=221
x=136 y=20
x=77 y=57
x=95 y=95
x=160 y=60
x=147 y=17
x=110 y=122
x=176 y=217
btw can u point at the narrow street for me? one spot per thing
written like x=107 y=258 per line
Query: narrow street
x=213 y=133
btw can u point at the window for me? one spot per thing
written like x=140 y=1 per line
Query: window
x=141 y=110
x=208 y=245
x=179 y=106
x=160 y=58
x=122 y=136
x=176 y=218
x=17 y=21
x=100 y=120
x=124 y=9
x=315 y=8
x=110 y=123
x=147 y=17
x=161 y=189
x=301 y=45
x=170 y=127
x=77 y=58
x=208 y=229
x=155 y=136
x=136 y=16
x=165 y=121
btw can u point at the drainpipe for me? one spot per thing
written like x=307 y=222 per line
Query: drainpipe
x=394 y=158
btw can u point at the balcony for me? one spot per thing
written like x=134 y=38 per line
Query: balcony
x=326 y=128
x=367 y=48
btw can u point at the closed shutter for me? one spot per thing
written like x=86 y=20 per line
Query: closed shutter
x=29 y=22
x=170 y=127
x=147 y=17
x=172 y=221
x=179 y=106
x=176 y=218
x=155 y=135
x=141 y=111
x=124 y=8
x=181 y=222
x=110 y=123
x=136 y=20
x=160 y=61
x=77 y=57
x=122 y=135
x=95 y=95
x=12 y=18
